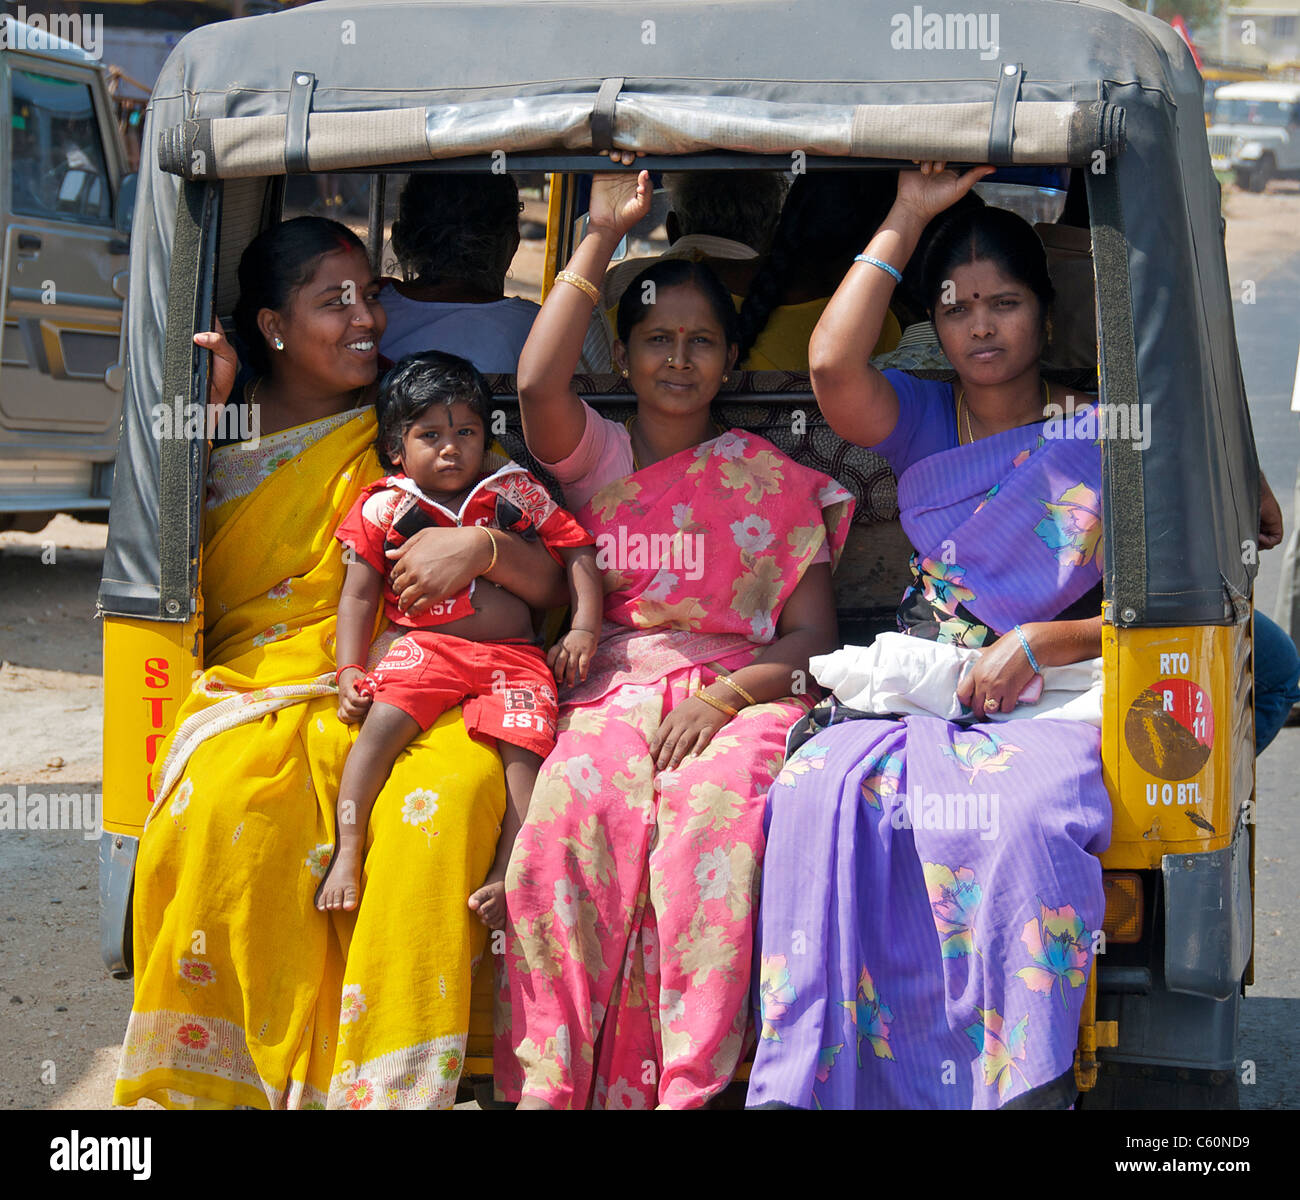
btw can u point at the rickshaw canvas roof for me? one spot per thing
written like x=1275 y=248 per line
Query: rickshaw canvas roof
x=370 y=54
x=799 y=67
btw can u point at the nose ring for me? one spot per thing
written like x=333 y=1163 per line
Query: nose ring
x=670 y=359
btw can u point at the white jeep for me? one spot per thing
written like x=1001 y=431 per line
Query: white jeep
x=1255 y=132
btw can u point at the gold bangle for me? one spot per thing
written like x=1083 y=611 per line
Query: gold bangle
x=493 y=540
x=583 y=285
x=701 y=694
x=735 y=687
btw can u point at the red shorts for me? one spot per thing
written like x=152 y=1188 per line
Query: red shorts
x=506 y=689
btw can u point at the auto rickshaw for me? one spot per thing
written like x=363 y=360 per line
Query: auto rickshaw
x=385 y=89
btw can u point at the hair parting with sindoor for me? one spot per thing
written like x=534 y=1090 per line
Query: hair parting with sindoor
x=987 y=234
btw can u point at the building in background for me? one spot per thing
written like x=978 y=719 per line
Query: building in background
x=1264 y=33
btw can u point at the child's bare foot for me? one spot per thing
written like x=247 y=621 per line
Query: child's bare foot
x=489 y=902
x=341 y=887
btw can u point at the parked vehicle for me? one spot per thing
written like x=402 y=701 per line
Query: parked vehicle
x=65 y=205
x=1094 y=86
x=1255 y=132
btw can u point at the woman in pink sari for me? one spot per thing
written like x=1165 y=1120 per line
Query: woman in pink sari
x=633 y=883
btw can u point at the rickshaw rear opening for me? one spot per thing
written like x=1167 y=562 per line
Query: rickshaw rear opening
x=1179 y=512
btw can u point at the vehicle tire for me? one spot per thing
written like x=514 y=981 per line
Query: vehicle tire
x=1257 y=177
x=483 y=1096
x=1127 y=1086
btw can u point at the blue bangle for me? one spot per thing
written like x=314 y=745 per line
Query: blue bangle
x=1029 y=654
x=884 y=266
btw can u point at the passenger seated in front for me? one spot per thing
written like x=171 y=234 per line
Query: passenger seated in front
x=455 y=237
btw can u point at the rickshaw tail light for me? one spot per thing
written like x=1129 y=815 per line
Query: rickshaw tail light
x=1123 y=920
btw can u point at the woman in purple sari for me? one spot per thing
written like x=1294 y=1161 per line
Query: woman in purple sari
x=931 y=886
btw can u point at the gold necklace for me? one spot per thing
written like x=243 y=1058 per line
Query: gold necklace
x=718 y=431
x=970 y=437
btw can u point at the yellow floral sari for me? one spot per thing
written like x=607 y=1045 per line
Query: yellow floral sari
x=245 y=994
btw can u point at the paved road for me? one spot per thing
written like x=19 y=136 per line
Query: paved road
x=1268 y=333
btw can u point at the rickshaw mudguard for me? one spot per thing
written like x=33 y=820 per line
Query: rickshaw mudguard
x=1208 y=926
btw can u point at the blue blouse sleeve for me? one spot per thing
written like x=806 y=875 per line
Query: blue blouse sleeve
x=927 y=421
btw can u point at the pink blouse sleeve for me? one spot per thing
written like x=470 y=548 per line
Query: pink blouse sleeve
x=602 y=455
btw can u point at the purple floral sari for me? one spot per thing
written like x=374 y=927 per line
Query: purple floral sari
x=931 y=889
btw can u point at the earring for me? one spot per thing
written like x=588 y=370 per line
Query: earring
x=279 y=344
x=725 y=378
x=624 y=372
x=1049 y=329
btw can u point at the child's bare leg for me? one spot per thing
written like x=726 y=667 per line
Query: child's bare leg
x=521 y=768
x=387 y=731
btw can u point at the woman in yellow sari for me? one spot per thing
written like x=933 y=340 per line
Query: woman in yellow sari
x=245 y=994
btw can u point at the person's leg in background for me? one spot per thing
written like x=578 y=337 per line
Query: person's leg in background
x=1277 y=672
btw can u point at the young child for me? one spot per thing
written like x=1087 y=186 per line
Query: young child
x=474 y=648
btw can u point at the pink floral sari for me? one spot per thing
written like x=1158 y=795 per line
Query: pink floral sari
x=631 y=891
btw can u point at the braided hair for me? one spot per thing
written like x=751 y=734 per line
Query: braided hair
x=827 y=218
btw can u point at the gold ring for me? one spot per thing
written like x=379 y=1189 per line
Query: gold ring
x=991 y=705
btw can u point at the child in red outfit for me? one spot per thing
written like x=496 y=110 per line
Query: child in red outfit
x=474 y=648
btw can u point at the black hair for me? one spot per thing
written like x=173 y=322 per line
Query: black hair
x=275 y=265
x=910 y=298
x=457 y=226
x=635 y=304
x=827 y=218
x=414 y=385
x=996 y=235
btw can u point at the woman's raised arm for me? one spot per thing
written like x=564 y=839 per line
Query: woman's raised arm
x=856 y=399
x=551 y=410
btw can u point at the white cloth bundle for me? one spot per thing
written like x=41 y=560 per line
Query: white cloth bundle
x=901 y=674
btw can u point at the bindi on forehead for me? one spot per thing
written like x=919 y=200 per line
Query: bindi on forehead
x=976 y=295
x=681 y=328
